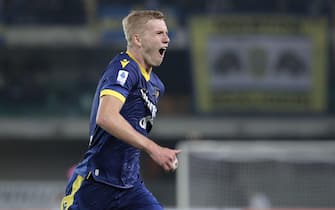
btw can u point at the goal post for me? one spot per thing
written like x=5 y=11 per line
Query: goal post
x=256 y=174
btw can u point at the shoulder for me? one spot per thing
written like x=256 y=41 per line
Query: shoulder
x=121 y=72
x=123 y=62
x=121 y=69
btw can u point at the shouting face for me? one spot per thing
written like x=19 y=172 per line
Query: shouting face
x=154 y=41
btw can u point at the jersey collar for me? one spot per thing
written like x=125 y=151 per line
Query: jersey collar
x=145 y=74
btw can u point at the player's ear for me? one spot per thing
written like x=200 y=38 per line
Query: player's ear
x=137 y=40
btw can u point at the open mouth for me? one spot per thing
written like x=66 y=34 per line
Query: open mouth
x=162 y=50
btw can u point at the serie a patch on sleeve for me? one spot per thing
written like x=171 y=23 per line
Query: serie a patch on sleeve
x=122 y=77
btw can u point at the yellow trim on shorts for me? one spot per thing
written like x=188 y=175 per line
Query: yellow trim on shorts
x=113 y=93
x=68 y=200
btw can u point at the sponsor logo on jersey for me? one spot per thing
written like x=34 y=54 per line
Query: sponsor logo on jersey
x=122 y=76
x=151 y=106
x=146 y=123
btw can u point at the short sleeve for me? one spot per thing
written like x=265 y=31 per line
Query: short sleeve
x=118 y=81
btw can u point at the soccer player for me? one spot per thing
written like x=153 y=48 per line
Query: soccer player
x=123 y=110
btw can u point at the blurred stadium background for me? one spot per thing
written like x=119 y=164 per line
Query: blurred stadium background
x=255 y=72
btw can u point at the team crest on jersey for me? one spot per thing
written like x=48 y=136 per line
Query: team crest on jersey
x=122 y=76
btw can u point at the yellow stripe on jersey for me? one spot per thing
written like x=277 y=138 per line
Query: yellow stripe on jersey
x=145 y=74
x=113 y=93
x=68 y=200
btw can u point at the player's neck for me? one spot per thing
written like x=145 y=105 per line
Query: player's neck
x=139 y=59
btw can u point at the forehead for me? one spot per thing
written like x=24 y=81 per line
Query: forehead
x=156 y=25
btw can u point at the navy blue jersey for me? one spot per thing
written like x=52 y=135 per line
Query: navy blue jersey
x=108 y=159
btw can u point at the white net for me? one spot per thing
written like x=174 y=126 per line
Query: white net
x=269 y=174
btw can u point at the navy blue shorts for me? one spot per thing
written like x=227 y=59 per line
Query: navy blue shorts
x=87 y=194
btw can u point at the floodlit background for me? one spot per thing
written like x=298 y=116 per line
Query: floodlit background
x=253 y=72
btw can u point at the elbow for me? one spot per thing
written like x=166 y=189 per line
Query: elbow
x=105 y=121
x=101 y=120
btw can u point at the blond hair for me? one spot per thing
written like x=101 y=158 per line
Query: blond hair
x=134 y=22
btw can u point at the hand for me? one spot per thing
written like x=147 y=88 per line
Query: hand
x=164 y=157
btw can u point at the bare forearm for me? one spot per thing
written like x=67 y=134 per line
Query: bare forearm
x=117 y=126
x=110 y=119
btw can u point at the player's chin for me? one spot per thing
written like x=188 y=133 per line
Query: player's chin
x=157 y=62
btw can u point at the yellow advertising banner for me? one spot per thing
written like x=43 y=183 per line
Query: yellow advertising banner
x=259 y=64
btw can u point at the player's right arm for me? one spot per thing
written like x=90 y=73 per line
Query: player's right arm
x=110 y=119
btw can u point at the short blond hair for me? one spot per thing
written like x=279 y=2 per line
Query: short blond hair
x=136 y=19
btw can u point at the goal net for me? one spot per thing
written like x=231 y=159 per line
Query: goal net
x=256 y=174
